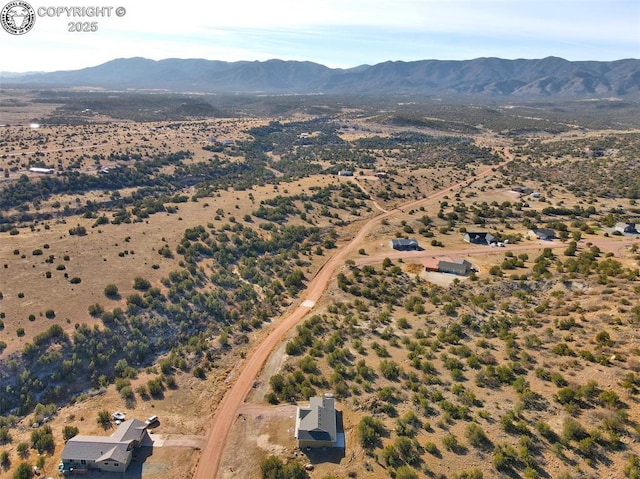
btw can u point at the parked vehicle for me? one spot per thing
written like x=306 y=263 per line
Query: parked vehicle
x=151 y=420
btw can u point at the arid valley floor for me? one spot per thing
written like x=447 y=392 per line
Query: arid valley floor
x=161 y=258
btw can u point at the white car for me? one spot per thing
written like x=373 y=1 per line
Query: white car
x=118 y=416
x=151 y=420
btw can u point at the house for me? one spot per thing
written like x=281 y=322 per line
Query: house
x=480 y=238
x=446 y=264
x=523 y=190
x=626 y=228
x=461 y=267
x=404 y=244
x=45 y=171
x=316 y=425
x=543 y=234
x=345 y=173
x=380 y=175
x=112 y=453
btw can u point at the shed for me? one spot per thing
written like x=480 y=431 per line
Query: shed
x=45 y=171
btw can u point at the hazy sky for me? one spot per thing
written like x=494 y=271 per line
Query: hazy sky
x=336 y=33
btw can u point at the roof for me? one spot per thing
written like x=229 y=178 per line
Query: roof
x=318 y=421
x=549 y=233
x=626 y=227
x=110 y=448
x=404 y=242
x=130 y=430
x=95 y=449
x=457 y=266
x=480 y=237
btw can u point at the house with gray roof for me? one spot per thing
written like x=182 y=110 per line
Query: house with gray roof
x=544 y=234
x=316 y=425
x=482 y=238
x=446 y=264
x=112 y=453
x=626 y=228
x=404 y=244
x=461 y=267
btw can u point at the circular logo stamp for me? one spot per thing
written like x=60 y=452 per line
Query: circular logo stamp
x=17 y=17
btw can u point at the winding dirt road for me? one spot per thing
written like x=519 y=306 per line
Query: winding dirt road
x=228 y=408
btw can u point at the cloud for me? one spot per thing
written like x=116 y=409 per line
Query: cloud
x=337 y=33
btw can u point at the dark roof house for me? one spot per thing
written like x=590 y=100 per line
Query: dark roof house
x=626 y=228
x=523 y=190
x=480 y=238
x=112 y=453
x=404 y=244
x=316 y=425
x=543 y=234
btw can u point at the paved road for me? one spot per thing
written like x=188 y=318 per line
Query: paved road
x=227 y=410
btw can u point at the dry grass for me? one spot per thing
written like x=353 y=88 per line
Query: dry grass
x=119 y=253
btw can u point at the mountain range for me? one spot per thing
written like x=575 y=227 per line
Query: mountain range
x=545 y=77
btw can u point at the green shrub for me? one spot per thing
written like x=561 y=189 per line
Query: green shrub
x=141 y=284
x=111 y=291
x=68 y=432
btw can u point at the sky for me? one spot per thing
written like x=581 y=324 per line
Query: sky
x=335 y=33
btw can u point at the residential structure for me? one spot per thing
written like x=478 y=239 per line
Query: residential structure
x=316 y=425
x=460 y=267
x=445 y=264
x=112 y=453
x=626 y=228
x=523 y=190
x=404 y=244
x=480 y=238
x=543 y=234
x=345 y=173
x=45 y=171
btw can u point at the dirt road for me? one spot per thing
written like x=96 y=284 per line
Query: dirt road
x=606 y=244
x=235 y=395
